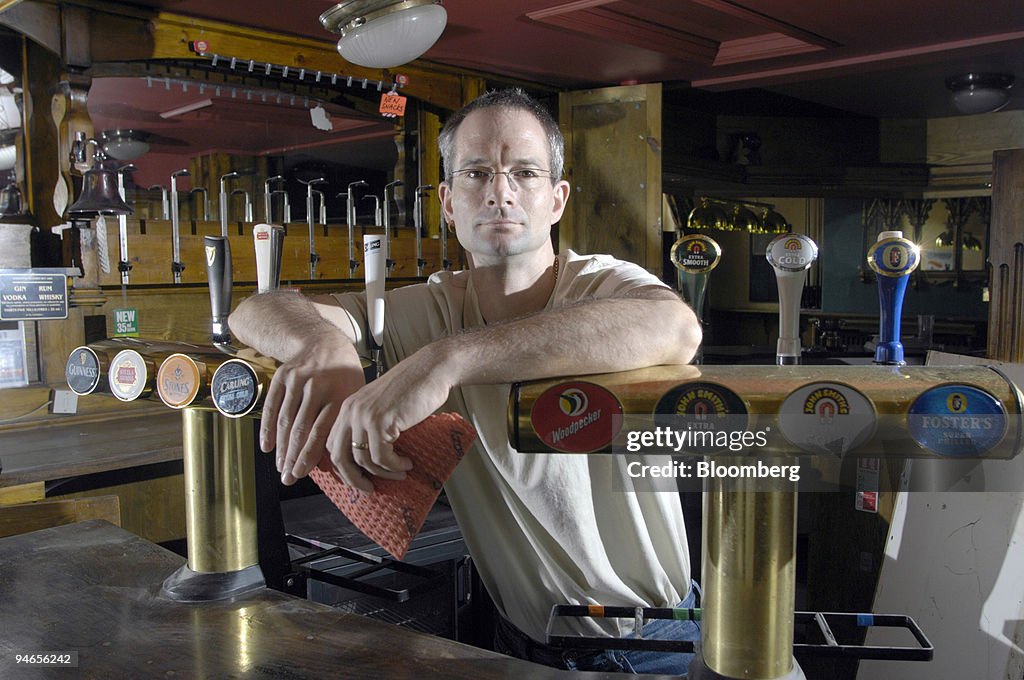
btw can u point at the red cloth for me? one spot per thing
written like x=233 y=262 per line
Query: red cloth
x=395 y=512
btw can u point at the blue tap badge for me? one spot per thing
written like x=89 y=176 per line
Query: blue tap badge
x=894 y=257
x=957 y=421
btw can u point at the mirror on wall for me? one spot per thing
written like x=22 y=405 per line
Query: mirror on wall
x=952 y=232
x=13 y=179
x=164 y=124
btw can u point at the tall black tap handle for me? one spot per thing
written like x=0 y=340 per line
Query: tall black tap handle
x=276 y=253
x=218 y=273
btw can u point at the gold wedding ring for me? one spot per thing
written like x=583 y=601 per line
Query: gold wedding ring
x=360 y=445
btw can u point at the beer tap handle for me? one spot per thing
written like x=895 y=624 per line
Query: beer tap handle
x=790 y=255
x=276 y=250
x=218 y=269
x=422 y=191
x=893 y=258
x=263 y=244
x=375 y=272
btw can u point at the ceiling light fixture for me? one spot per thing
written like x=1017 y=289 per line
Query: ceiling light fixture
x=124 y=145
x=385 y=33
x=712 y=213
x=980 y=92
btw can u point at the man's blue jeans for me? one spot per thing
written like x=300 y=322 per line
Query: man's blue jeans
x=620 y=661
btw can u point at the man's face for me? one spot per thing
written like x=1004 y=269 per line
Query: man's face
x=495 y=219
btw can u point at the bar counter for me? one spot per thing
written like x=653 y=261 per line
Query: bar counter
x=94 y=589
x=58 y=449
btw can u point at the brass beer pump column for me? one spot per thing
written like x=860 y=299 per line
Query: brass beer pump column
x=220 y=478
x=749 y=566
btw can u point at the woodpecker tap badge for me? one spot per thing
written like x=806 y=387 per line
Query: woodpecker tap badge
x=576 y=417
x=894 y=256
x=696 y=254
x=791 y=252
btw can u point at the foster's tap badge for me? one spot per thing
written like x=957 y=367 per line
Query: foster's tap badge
x=696 y=254
x=893 y=256
x=82 y=371
x=792 y=252
x=576 y=417
x=957 y=421
x=128 y=375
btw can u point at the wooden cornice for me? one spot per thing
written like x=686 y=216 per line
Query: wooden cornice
x=123 y=33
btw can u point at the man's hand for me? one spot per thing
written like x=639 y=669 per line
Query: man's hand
x=303 y=401
x=369 y=421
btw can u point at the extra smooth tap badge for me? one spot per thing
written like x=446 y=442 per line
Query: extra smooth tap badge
x=576 y=417
x=696 y=254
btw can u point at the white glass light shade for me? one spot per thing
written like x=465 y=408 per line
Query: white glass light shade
x=8 y=157
x=980 y=100
x=980 y=92
x=394 y=39
x=125 y=148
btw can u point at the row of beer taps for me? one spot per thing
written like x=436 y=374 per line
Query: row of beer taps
x=316 y=213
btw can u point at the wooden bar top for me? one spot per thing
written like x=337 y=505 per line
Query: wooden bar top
x=94 y=589
x=56 y=451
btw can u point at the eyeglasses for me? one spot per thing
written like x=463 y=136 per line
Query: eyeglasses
x=521 y=178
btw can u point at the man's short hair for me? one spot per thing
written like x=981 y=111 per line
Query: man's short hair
x=511 y=99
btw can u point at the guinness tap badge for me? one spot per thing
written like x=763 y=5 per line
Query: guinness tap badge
x=696 y=254
x=82 y=371
x=211 y=255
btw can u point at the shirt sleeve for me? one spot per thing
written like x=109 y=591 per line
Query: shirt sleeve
x=601 y=276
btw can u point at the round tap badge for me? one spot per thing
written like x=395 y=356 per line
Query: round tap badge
x=957 y=421
x=696 y=254
x=128 y=375
x=82 y=371
x=893 y=256
x=576 y=417
x=235 y=388
x=708 y=409
x=792 y=252
x=178 y=380
x=827 y=418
